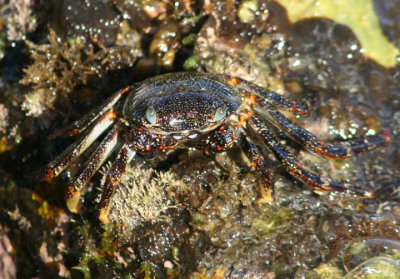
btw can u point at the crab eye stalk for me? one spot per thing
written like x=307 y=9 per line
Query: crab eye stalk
x=151 y=115
x=220 y=114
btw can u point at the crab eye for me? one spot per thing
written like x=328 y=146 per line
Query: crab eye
x=151 y=115
x=220 y=114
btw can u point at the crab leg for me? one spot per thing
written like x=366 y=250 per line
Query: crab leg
x=273 y=98
x=295 y=168
x=126 y=154
x=96 y=160
x=89 y=118
x=257 y=160
x=77 y=148
x=311 y=142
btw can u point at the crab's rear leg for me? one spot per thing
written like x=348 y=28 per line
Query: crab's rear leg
x=96 y=160
x=275 y=99
x=311 y=142
x=113 y=176
x=77 y=148
x=257 y=160
x=315 y=182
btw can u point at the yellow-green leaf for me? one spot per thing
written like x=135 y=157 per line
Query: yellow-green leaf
x=359 y=15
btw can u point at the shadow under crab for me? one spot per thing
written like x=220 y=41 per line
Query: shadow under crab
x=204 y=111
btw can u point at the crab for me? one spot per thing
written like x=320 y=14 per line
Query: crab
x=204 y=111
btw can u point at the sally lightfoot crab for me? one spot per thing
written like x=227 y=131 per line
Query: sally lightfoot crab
x=204 y=111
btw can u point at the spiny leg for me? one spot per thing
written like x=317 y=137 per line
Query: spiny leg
x=273 y=98
x=125 y=155
x=257 y=160
x=77 y=148
x=315 y=182
x=96 y=160
x=90 y=117
x=311 y=142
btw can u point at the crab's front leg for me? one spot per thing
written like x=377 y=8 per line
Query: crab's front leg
x=224 y=138
x=294 y=167
x=124 y=157
x=139 y=141
x=96 y=160
x=257 y=160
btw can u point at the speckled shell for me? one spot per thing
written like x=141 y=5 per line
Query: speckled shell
x=182 y=101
